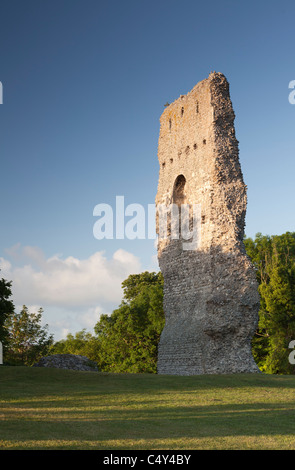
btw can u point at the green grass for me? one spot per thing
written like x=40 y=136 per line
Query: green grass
x=60 y=409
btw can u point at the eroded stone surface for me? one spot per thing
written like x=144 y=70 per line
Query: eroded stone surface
x=211 y=298
x=67 y=361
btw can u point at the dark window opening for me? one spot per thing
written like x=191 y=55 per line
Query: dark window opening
x=179 y=196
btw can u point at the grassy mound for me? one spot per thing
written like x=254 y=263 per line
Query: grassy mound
x=44 y=408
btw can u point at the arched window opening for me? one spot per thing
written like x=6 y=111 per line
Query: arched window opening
x=181 y=223
x=179 y=196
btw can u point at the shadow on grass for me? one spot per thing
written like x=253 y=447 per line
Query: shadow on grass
x=74 y=407
x=168 y=422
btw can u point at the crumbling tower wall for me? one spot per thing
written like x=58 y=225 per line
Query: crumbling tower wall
x=211 y=299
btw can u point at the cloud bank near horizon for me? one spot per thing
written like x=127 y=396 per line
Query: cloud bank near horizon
x=72 y=292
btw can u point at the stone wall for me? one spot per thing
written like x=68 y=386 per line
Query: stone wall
x=67 y=361
x=211 y=299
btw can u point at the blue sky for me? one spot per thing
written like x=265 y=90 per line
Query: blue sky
x=84 y=85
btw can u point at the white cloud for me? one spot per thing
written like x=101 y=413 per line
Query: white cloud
x=73 y=292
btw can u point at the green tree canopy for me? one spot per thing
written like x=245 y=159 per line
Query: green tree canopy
x=82 y=343
x=28 y=341
x=129 y=336
x=274 y=259
x=6 y=308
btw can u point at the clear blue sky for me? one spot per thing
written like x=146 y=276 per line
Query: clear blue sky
x=84 y=85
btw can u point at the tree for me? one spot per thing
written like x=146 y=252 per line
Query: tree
x=28 y=340
x=274 y=259
x=136 y=283
x=129 y=337
x=6 y=308
x=82 y=343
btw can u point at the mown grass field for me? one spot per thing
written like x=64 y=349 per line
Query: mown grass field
x=67 y=410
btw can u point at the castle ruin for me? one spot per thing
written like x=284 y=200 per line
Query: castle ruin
x=211 y=298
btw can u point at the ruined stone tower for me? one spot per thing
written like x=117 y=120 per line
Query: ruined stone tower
x=211 y=296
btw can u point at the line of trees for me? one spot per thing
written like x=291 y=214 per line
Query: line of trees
x=127 y=340
x=23 y=338
x=274 y=259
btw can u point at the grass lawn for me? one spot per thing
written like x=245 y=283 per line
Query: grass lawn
x=44 y=408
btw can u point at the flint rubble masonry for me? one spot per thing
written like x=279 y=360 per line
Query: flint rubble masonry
x=211 y=298
x=68 y=361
